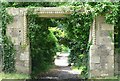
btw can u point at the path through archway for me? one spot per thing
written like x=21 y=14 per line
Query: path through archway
x=61 y=70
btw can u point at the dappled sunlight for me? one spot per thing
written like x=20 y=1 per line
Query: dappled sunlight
x=71 y=71
x=61 y=69
x=62 y=61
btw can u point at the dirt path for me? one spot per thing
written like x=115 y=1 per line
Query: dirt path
x=61 y=70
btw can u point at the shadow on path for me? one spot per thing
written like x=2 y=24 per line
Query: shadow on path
x=61 y=69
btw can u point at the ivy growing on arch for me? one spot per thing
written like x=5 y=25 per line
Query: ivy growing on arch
x=77 y=27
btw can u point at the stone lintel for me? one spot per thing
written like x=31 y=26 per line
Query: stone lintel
x=42 y=11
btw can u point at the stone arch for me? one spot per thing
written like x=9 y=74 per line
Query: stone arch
x=102 y=43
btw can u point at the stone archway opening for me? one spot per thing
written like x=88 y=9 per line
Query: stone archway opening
x=99 y=33
x=45 y=45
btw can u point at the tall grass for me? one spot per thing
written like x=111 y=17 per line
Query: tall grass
x=13 y=76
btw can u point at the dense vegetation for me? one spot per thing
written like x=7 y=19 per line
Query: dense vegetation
x=39 y=4
x=43 y=43
x=60 y=36
x=8 y=47
x=78 y=38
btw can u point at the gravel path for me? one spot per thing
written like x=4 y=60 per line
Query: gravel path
x=61 y=70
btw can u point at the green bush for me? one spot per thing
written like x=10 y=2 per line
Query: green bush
x=59 y=35
x=42 y=43
x=8 y=47
x=9 y=56
x=77 y=26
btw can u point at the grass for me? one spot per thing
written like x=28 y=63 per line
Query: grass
x=45 y=68
x=114 y=78
x=18 y=75
x=13 y=76
x=76 y=69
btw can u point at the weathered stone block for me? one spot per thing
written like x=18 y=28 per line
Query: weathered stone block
x=95 y=59
x=15 y=41
x=17 y=48
x=95 y=66
x=102 y=54
x=22 y=69
x=24 y=56
x=105 y=26
x=27 y=63
x=110 y=60
x=13 y=11
x=104 y=33
x=95 y=73
x=105 y=40
x=104 y=74
x=14 y=32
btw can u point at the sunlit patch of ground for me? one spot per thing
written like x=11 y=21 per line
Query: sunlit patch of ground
x=61 y=69
x=62 y=59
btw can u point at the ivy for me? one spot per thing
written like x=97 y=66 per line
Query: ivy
x=8 y=47
x=9 y=56
x=36 y=4
x=77 y=26
x=42 y=43
x=111 y=12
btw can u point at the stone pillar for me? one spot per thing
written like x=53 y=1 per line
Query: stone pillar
x=17 y=32
x=117 y=62
x=101 y=57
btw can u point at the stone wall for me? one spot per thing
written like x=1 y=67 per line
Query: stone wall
x=117 y=62
x=102 y=51
x=17 y=32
